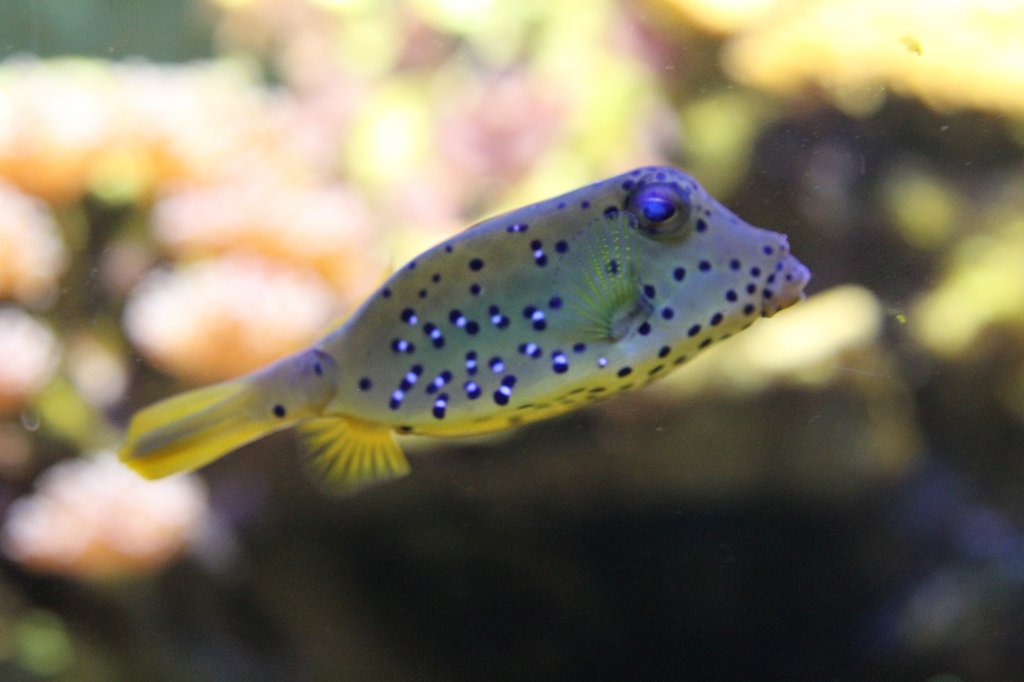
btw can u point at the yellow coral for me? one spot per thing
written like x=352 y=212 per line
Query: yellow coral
x=983 y=288
x=958 y=53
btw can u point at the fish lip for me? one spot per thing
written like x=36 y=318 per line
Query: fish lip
x=794 y=276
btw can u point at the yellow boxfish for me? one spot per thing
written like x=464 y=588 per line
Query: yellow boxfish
x=521 y=317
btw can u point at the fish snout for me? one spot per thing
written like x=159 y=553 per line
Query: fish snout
x=790 y=280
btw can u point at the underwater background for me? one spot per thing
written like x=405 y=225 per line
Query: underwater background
x=191 y=189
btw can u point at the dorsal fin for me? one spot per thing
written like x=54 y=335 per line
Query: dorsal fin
x=602 y=262
x=347 y=455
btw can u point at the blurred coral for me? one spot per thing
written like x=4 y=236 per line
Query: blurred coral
x=53 y=122
x=220 y=318
x=122 y=130
x=982 y=288
x=499 y=130
x=32 y=255
x=325 y=228
x=854 y=49
x=94 y=518
x=921 y=205
x=97 y=370
x=30 y=353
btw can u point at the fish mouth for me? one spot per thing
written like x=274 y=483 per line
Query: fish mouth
x=793 y=276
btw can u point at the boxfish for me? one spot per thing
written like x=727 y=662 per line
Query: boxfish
x=521 y=317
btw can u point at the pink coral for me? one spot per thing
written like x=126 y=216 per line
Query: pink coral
x=220 y=318
x=32 y=255
x=95 y=518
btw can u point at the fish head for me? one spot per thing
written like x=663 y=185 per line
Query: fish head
x=710 y=265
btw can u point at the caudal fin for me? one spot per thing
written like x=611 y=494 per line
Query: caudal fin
x=190 y=430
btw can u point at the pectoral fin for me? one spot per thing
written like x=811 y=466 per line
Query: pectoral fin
x=602 y=262
x=347 y=455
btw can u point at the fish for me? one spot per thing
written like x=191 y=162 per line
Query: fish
x=521 y=317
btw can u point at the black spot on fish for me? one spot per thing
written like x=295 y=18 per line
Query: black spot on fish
x=476 y=264
x=440 y=405
x=436 y=338
x=402 y=346
x=397 y=396
x=279 y=411
x=530 y=349
x=559 y=362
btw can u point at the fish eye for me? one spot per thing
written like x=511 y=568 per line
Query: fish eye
x=660 y=210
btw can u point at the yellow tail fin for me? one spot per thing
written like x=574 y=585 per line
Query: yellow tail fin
x=190 y=430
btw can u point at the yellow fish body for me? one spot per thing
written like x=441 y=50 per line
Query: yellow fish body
x=521 y=317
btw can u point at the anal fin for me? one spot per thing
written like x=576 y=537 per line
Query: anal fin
x=347 y=455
